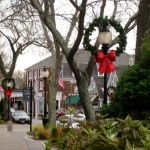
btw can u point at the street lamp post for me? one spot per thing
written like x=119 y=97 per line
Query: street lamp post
x=8 y=84
x=31 y=94
x=45 y=74
x=105 y=38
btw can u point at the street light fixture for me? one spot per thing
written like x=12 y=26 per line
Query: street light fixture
x=105 y=39
x=45 y=74
x=8 y=84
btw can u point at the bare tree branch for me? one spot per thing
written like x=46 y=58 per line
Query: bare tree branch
x=115 y=10
x=75 y=5
x=132 y=19
x=102 y=8
x=72 y=25
x=80 y=31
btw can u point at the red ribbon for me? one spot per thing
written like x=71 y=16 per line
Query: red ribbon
x=106 y=62
x=8 y=92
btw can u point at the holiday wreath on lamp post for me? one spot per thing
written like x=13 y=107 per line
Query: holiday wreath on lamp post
x=105 y=60
x=102 y=56
x=8 y=85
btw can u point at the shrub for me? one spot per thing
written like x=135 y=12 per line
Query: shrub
x=43 y=134
x=132 y=90
x=39 y=132
x=112 y=110
x=2 y=122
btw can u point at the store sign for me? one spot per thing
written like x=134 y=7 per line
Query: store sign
x=27 y=94
x=59 y=96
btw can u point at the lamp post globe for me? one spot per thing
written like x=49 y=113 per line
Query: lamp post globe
x=105 y=36
x=105 y=39
x=45 y=74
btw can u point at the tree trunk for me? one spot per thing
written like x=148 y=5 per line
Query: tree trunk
x=143 y=25
x=85 y=99
x=5 y=109
x=52 y=102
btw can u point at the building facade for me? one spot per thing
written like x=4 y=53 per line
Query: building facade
x=34 y=74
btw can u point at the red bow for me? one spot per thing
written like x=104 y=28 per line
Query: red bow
x=106 y=65
x=8 y=92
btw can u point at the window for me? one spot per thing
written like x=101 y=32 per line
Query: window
x=114 y=80
x=30 y=74
x=35 y=73
x=36 y=85
x=41 y=85
x=41 y=73
x=113 y=83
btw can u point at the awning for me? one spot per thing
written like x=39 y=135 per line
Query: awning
x=72 y=100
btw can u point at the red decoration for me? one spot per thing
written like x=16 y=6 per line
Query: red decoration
x=106 y=62
x=8 y=93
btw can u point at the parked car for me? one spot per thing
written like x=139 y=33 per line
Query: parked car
x=73 y=120
x=12 y=110
x=60 y=112
x=20 y=117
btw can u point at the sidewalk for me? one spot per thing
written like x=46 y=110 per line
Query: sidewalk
x=17 y=139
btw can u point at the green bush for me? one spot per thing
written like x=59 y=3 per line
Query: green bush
x=39 y=132
x=133 y=89
x=112 y=110
x=2 y=122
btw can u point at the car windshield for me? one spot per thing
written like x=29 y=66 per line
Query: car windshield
x=19 y=113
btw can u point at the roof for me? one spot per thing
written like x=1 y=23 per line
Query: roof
x=41 y=64
x=123 y=59
x=82 y=57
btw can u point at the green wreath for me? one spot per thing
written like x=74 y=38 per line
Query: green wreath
x=104 y=22
x=110 y=88
x=5 y=81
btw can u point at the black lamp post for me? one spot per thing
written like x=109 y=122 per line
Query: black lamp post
x=8 y=84
x=45 y=74
x=31 y=94
x=105 y=38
